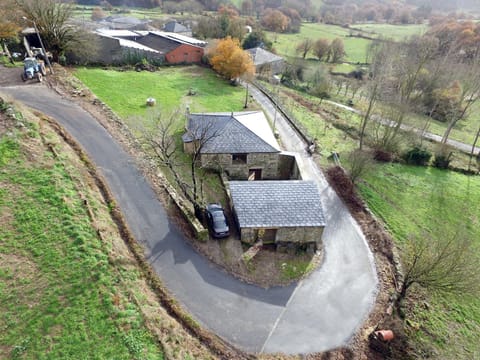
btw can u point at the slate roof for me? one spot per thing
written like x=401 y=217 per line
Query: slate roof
x=175 y=27
x=261 y=56
x=242 y=132
x=275 y=204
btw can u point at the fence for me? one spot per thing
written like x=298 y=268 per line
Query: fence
x=296 y=125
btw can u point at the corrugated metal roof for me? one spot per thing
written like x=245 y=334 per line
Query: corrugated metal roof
x=136 y=45
x=128 y=43
x=118 y=33
x=180 y=38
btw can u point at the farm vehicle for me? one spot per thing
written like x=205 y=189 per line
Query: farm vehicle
x=33 y=69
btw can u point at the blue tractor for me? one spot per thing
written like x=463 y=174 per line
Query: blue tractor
x=33 y=69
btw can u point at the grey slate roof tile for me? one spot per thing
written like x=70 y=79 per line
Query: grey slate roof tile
x=264 y=204
x=173 y=26
x=261 y=56
x=232 y=136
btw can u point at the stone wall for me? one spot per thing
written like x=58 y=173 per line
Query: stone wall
x=288 y=168
x=267 y=162
x=296 y=235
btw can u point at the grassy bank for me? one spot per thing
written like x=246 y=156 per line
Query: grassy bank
x=413 y=200
x=61 y=294
x=126 y=91
x=419 y=200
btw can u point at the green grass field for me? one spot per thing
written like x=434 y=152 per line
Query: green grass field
x=170 y=87
x=396 y=32
x=418 y=200
x=355 y=48
x=85 y=13
x=126 y=91
x=57 y=283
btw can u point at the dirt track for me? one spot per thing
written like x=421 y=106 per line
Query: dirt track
x=12 y=77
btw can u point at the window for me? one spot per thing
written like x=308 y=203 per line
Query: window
x=239 y=158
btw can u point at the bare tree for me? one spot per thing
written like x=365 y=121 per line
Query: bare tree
x=320 y=48
x=157 y=135
x=304 y=47
x=359 y=164
x=379 y=70
x=337 y=50
x=470 y=93
x=448 y=264
x=472 y=152
x=399 y=68
x=52 y=20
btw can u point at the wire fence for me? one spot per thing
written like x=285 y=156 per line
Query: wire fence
x=297 y=125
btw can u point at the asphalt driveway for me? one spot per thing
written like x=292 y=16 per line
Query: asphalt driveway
x=317 y=314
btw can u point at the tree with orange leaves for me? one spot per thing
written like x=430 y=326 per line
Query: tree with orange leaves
x=229 y=60
x=274 y=20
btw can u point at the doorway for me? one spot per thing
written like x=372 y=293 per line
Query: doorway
x=254 y=174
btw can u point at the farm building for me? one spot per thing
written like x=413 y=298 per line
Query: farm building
x=176 y=27
x=240 y=144
x=288 y=214
x=178 y=49
x=266 y=62
x=120 y=46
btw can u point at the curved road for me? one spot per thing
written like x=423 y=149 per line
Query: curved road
x=317 y=314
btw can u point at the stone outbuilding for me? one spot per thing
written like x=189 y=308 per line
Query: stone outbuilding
x=175 y=27
x=288 y=214
x=241 y=144
x=266 y=63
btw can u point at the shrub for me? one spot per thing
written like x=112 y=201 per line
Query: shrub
x=382 y=155
x=344 y=187
x=359 y=163
x=442 y=160
x=417 y=156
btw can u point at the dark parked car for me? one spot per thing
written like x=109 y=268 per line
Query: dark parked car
x=217 y=221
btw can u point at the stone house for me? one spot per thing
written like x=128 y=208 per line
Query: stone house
x=240 y=144
x=266 y=63
x=288 y=214
x=175 y=27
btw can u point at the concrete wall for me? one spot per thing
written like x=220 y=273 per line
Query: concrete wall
x=267 y=162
